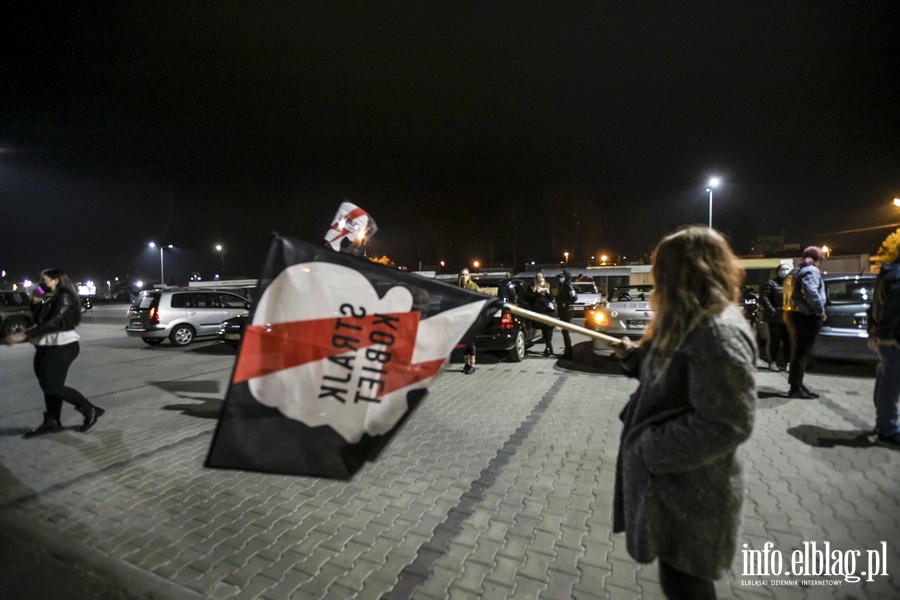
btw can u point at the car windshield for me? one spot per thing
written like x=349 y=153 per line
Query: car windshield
x=585 y=287
x=631 y=292
x=849 y=291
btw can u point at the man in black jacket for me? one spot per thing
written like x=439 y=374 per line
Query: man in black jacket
x=565 y=300
x=778 y=348
x=884 y=338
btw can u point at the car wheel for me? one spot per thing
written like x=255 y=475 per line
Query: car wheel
x=182 y=335
x=517 y=354
x=153 y=341
x=13 y=326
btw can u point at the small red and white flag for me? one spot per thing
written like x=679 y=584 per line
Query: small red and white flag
x=351 y=225
x=338 y=354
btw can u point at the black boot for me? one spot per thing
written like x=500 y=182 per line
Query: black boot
x=50 y=425
x=91 y=414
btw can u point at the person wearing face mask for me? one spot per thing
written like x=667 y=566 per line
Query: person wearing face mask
x=804 y=313
x=56 y=312
x=565 y=300
x=771 y=298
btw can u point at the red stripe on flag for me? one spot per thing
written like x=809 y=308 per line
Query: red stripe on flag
x=384 y=341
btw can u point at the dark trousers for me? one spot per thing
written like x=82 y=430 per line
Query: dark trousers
x=678 y=585
x=547 y=333
x=803 y=331
x=566 y=316
x=51 y=365
x=778 y=348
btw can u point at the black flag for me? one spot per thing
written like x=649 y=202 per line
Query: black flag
x=339 y=352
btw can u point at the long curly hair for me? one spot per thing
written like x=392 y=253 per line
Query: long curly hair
x=696 y=276
x=65 y=286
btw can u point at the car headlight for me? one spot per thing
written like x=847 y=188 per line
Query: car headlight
x=599 y=319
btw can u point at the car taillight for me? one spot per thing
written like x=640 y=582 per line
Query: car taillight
x=506 y=321
x=154 y=316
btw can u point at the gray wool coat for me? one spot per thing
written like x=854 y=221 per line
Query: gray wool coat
x=679 y=481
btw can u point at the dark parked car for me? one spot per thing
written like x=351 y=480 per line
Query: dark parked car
x=231 y=331
x=844 y=335
x=15 y=312
x=507 y=333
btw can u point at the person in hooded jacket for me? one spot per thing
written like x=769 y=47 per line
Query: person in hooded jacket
x=565 y=301
x=56 y=312
x=804 y=313
x=771 y=298
x=679 y=484
x=884 y=338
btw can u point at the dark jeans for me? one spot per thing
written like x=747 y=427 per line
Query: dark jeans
x=678 y=585
x=51 y=365
x=547 y=333
x=803 y=331
x=778 y=348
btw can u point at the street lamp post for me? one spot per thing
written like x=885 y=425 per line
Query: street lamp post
x=162 y=270
x=713 y=182
x=221 y=252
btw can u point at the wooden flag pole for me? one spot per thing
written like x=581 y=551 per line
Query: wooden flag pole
x=546 y=320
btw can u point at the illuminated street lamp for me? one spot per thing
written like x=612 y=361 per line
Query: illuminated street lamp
x=826 y=251
x=221 y=252
x=566 y=255
x=476 y=263
x=162 y=271
x=713 y=182
x=897 y=202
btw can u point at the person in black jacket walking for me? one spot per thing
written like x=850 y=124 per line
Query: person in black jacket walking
x=771 y=298
x=565 y=300
x=56 y=312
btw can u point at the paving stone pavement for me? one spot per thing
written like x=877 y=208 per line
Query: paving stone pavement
x=500 y=486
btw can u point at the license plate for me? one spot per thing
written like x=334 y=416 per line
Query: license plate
x=232 y=336
x=136 y=323
x=636 y=324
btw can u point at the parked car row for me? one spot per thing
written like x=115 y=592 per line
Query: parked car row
x=184 y=315
x=628 y=311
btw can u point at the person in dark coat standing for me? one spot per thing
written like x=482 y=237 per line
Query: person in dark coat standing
x=771 y=298
x=884 y=338
x=804 y=314
x=679 y=483
x=565 y=301
x=56 y=312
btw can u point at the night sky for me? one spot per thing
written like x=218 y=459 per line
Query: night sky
x=507 y=133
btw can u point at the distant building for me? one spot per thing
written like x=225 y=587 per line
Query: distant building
x=773 y=245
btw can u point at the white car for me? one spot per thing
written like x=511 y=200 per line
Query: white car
x=587 y=296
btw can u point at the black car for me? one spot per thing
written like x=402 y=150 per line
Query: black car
x=231 y=331
x=507 y=333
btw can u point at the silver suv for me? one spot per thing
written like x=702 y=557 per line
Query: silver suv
x=15 y=312
x=181 y=315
